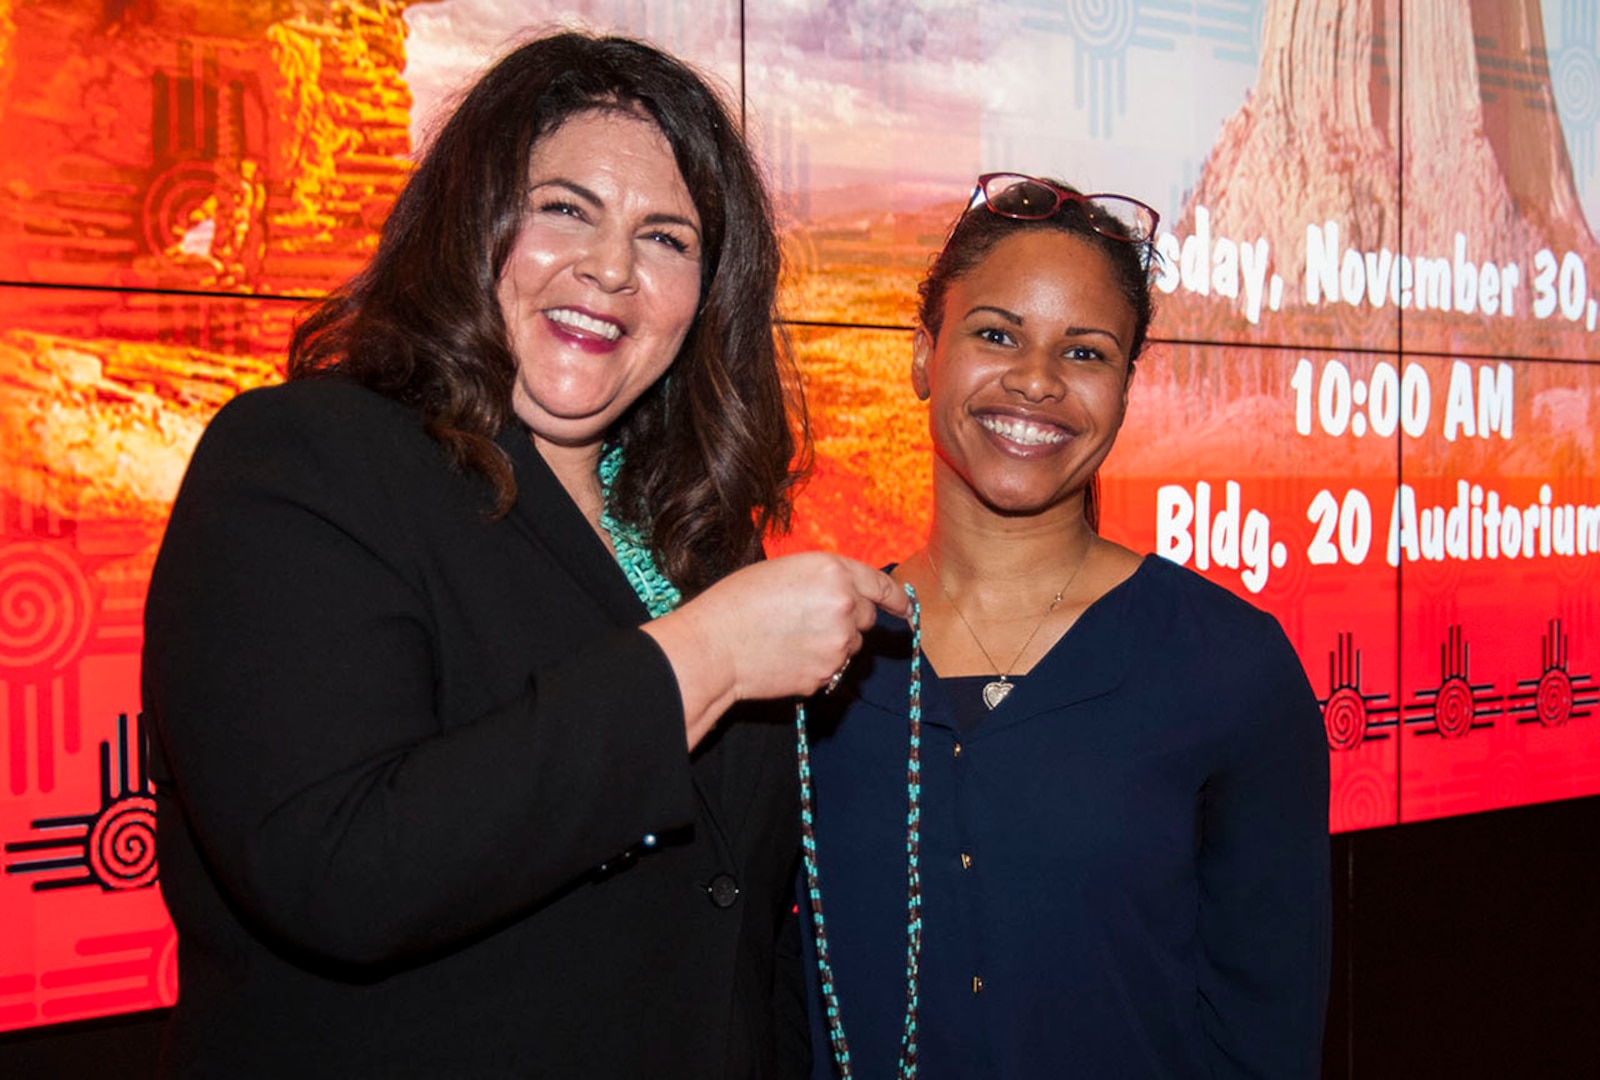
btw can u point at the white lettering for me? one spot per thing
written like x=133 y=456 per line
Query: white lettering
x=1458 y=410
x=1588 y=530
x=1495 y=400
x=1225 y=269
x=1403 y=526
x=1253 y=262
x=1169 y=252
x=1433 y=284
x=1174 y=514
x=1382 y=281
x=1322 y=262
x=1195 y=262
x=1466 y=294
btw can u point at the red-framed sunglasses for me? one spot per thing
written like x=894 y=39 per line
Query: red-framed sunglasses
x=1028 y=198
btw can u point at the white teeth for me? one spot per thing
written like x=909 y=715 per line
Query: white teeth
x=1021 y=431
x=579 y=321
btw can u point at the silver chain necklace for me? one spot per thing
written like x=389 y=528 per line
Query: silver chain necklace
x=997 y=689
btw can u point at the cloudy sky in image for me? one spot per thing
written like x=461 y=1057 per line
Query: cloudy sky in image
x=892 y=103
x=877 y=104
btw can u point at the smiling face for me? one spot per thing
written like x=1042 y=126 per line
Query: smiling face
x=1027 y=383
x=604 y=277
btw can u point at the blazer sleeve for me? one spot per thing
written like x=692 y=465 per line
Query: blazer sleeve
x=290 y=671
x=1264 y=918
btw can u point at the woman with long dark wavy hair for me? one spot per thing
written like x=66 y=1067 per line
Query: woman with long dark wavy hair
x=450 y=637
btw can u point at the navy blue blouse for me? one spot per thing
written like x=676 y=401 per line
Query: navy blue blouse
x=1125 y=866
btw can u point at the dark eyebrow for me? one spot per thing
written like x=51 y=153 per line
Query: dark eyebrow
x=1080 y=331
x=590 y=197
x=1009 y=316
x=576 y=188
x=1071 y=331
x=672 y=219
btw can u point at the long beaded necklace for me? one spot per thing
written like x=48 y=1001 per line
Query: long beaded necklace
x=999 y=688
x=658 y=594
x=907 y=1067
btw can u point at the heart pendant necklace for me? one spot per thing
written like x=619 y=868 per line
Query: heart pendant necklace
x=995 y=692
x=999 y=688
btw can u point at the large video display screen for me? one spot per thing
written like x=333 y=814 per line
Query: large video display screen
x=1369 y=407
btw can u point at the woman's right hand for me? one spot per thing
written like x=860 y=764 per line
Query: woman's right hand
x=779 y=628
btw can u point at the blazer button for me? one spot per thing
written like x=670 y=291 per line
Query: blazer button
x=723 y=890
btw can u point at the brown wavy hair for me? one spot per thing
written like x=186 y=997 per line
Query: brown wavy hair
x=976 y=233
x=422 y=324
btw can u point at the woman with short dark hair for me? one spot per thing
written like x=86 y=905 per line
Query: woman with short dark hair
x=1073 y=822
x=457 y=643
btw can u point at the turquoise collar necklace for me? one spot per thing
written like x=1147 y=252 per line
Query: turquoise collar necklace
x=658 y=594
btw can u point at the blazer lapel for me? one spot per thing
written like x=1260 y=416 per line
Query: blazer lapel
x=548 y=517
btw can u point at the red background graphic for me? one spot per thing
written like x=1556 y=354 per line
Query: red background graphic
x=179 y=178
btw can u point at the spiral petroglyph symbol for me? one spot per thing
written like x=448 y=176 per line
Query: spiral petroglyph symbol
x=1554 y=698
x=1458 y=705
x=172 y=199
x=1575 y=79
x=1559 y=695
x=113 y=847
x=45 y=606
x=122 y=844
x=1507 y=780
x=1364 y=800
x=1102 y=26
x=1352 y=715
x=1345 y=718
x=1454 y=708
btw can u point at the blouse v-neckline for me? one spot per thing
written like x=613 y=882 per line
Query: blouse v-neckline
x=1097 y=646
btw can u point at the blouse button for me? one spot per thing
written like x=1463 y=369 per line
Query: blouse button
x=977 y=984
x=966 y=861
x=957 y=751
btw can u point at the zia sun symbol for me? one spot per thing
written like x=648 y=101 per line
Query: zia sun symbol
x=1349 y=716
x=1457 y=705
x=115 y=846
x=1557 y=695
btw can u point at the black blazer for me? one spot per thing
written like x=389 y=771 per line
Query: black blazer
x=424 y=803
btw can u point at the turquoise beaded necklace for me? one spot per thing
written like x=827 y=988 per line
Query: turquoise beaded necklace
x=658 y=594
x=907 y=1067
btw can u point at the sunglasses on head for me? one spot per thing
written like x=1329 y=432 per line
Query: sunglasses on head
x=1027 y=198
